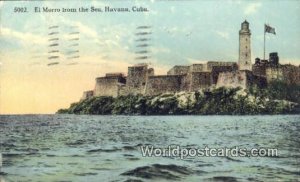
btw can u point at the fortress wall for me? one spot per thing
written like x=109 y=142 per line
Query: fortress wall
x=260 y=81
x=274 y=73
x=243 y=79
x=108 y=86
x=123 y=90
x=232 y=79
x=162 y=84
x=287 y=73
x=178 y=70
x=196 y=68
x=291 y=74
x=87 y=94
x=216 y=70
x=200 y=80
x=186 y=82
x=259 y=69
x=114 y=75
x=137 y=78
x=211 y=64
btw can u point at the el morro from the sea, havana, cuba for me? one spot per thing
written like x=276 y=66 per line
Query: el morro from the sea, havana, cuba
x=141 y=79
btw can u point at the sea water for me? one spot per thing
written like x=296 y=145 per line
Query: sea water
x=108 y=148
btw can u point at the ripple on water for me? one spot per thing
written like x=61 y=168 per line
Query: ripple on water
x=223 y=179
x=160 y=171
x=110 y=145
x=85 y=174
x=103 y=150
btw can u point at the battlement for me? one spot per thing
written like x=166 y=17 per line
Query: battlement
x=87 y=94
x=109 y=85
x=114 y=75
x=142 y=80
x=163 y=84
x=211 y=64
x=241 y=78
x=197 y=67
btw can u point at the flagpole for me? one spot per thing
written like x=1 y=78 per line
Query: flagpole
x=265 y=42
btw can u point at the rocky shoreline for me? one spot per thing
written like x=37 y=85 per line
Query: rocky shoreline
x=214 y=101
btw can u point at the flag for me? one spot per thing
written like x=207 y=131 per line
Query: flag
x=270 y=29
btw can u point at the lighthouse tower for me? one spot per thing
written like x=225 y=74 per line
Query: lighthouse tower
x=245 y=47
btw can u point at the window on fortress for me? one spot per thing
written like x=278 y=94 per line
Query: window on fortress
x=246 y=54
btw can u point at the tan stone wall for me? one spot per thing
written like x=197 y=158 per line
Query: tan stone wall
x=136 y=79
x=242 y=78
x=212 y=64
x=274 y=73
x=291 y=74
x=287 y=73
x=232 y=79
x=87 y=94
x=259 y=69
x=107 y=86
x=216 y=70
x=197 y=68
x=200 y=80
x=162 y=84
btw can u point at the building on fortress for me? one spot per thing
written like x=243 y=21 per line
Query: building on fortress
x=141 y=79
x=272 y=70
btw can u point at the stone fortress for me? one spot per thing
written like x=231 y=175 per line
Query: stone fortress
x=142 y=80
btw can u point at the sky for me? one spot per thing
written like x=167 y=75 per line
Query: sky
x=181 y=33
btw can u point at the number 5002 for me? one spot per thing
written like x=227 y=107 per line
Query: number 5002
x=20 y=10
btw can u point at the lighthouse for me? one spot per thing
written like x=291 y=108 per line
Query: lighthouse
x=245 y=47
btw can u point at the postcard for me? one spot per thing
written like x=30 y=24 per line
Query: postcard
x=149 y=90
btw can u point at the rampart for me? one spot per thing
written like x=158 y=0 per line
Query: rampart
x=243 y=79
x=197 y=68
x=137 y=78
x=87 y=94
x=163 y=84
x=216 y=70
x=200 y=80
x=108 y=86
x=211 y=64
x=287 y=73
x=141 y=79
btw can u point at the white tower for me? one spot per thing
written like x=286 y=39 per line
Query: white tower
x=245 y=47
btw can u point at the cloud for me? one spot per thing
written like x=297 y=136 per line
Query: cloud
x=224 y=35
x=252 y=8
x=23 y=37
x=83 y=29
